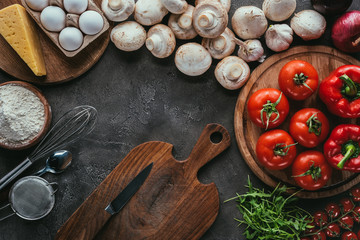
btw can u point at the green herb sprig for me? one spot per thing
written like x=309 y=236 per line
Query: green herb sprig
x=271 y=215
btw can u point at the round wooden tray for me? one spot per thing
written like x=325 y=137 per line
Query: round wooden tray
x=59 y=67
x=325 y=60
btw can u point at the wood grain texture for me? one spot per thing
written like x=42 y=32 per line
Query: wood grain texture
x=325 y=60
x=171 y=204
x=59 y=68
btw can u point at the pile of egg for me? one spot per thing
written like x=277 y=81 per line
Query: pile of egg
x=54 y=18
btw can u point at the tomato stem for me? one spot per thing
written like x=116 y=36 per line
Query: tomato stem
x=314 y=124
x=280 y=151
x=300 y=79
x=349 y=150
x=269 y=108
x=314 y=172
x=350 y=89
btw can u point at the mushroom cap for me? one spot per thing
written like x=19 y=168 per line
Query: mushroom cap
x=128 y=36
x=181 y=24
x=226 y=3
x=175 y=6
x=232 y=72
x=149 y=12
x=249 y=22
x=308 y=24
x=221 y=46
x=278 y=10
x=117 y=10
x=210 y=18
x=192 y=59
x=160 y=41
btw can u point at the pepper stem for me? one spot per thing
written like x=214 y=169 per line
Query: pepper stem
x=269 y=108
x=300 y=79
x=314 y=124
x=280 y=151
x=350 y=149
x=350 y=87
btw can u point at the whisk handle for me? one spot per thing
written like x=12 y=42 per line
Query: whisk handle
x=14 y=173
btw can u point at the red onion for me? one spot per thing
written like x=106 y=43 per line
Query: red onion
x=346 y=32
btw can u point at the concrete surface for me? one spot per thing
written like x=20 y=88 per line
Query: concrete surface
x=140 y=98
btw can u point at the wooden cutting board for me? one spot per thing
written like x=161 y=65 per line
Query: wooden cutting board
x=325 y=60
x=171 y=204
x=59 y=68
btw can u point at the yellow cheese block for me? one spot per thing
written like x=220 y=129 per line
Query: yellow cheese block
x=17 y=27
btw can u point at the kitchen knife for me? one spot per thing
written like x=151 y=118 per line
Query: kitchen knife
x=120 y=201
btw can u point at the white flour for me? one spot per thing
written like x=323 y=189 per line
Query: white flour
x=22 y=115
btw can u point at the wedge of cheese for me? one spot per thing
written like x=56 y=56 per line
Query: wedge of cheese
x=17 y=27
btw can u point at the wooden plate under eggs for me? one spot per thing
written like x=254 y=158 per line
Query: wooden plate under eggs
x=325 y=60
x=59 y=67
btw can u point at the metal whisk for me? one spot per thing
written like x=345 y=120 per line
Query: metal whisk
x=74 y=124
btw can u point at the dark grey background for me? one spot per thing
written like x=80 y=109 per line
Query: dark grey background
x=141 y=98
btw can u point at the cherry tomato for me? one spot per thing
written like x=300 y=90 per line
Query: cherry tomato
x=355 y=193
x=305 y=238
x=310 y=170
x=319 y=236
x=275 y=149
x=333 y=210
x=320 y=218
x=268 y=108
x=309 y=127
x=356 y=214
x=346 y=222
x=348 y=235
x=333 y=230
x=312 y=229
x=358 y=234
x=298 y=79
x=346 y=204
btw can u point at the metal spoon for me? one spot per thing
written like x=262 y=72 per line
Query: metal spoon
x=56 y=163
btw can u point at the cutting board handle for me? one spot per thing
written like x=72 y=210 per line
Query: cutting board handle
x=213 y=140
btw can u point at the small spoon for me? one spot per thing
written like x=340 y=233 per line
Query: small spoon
x=56 y=163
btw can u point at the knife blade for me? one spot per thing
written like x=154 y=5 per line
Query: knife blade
x=120 y=201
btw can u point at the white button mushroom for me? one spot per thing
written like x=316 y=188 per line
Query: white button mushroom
x=75 y=6
x=118 y=10
x=278 y=10
x=37 y=5
x=210 y=18
x=308 y=24
x=175 y=6
x=221 y=46
x=232 y=72
x=70 y=38
x=160 y=41
x=192 y=59
x=149 y=12
x=226 y=3
x=91 y=22
x=53 y=18
x=249 y=22
x=250 y=50
x=181 y=24
x=128 y=36
x=279 y=37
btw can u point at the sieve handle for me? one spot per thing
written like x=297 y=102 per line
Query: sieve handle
x=7 y=205
x=56 y=188
x=14 y=173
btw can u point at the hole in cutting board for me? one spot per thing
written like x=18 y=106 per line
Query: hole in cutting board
x=216 y=137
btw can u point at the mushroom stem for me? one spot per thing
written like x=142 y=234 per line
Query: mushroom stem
x=206 y=20
x=153 y=42
x=115 y=4
x=219 y=43
x=356 y=42
x=233 y=72
x=239 y=42
x=185 y=21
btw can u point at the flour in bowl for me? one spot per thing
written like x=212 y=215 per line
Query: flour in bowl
x=22 y=115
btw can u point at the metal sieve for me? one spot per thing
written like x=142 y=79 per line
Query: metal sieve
x=31 y=198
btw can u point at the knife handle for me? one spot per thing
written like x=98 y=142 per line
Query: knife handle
x=213 y=140
x=14 y=173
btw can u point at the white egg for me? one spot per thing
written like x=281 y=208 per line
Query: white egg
x=75 y=6
x=37 y=5
x=53 y=18
x=71 y=38
x=91 y=22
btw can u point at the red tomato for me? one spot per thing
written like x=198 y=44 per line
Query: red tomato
x=298 y=79
x=320 y=218
x=275 y=149
x=268 y=108
x=333 y=230
x=355 y=193
x=348 y=235
x=346 y=222
x=333 y=210
x=347 y=204
x=358 y=234
x=309 y=127
x=356 y=214
x=310 y=170
x=319 y=236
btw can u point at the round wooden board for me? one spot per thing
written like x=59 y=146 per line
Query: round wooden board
x=325 y=60
x=59 y=67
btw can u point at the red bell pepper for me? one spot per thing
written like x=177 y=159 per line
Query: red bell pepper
x=341 y=91
x=342 y=149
